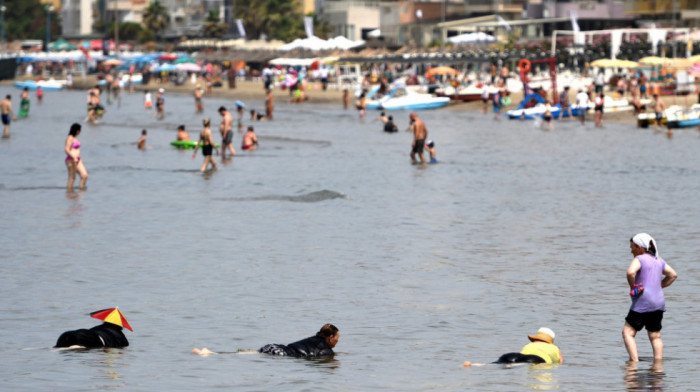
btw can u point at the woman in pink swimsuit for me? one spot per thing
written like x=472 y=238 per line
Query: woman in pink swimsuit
x=73 y=161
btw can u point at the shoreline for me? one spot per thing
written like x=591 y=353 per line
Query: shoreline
x=253 y=90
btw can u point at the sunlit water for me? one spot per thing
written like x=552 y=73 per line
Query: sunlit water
x=421 y=267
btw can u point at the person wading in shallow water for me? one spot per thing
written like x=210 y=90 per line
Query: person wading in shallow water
x=647 y=276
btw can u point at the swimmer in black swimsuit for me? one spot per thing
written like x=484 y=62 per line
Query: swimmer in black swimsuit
x=319 y=346
x=207 y=143
x=105 y=335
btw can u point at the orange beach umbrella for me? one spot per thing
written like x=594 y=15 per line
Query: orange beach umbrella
x=441 y=71
x=112 y=316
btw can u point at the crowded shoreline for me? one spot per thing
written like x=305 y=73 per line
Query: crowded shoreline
x=254 y=90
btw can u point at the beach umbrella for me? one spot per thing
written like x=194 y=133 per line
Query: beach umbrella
x=441 y=71
x=62 y=44
x=654 y=60
x=112 y=316
x=694 y=70
x=113 y=62
x=183 y=60
x=167 y=57
x=188 y=67
x=167 y=67
x=610 y=63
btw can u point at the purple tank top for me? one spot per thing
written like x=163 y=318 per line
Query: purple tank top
x=650 y=276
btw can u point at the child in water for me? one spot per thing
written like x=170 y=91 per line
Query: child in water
x=147 y=100
x=142 y=140
x=430 y=146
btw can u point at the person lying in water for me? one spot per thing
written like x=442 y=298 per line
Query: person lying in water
x=317 y=346
x=106 y=335
x=540 y=350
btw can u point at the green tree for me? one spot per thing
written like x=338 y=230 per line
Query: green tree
x=278 y=19
x=155 y=17
x=213 y=28
x=27 y=19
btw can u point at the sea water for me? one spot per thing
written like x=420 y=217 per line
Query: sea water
x=421 y=267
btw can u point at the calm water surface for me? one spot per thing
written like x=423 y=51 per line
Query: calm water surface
x=421 y=267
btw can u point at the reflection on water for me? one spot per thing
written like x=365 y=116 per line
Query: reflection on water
x=639 y=377
x=542 y=377
x=74 y=213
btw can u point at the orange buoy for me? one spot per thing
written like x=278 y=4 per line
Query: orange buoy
x=524 y=65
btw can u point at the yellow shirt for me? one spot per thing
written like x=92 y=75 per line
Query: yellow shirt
x=546 y=351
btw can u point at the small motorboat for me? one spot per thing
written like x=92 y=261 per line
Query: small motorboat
x=469 y=93
x=46 y=85
x=684 y=118
x=533 y=112
x=404 y=99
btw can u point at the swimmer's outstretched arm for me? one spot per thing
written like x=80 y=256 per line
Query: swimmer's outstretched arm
x=205 y=352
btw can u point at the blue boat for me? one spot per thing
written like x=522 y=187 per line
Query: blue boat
x=46 y=85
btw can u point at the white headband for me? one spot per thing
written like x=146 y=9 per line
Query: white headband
x=645 y=240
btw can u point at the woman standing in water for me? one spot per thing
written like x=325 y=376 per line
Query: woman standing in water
x=647 y=276
x=73 y=161
x=207 y=142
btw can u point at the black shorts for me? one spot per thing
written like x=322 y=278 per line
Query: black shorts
x=650 y=320
x=206 y=150
x=548 y=118
x=228 y=137
x=418 y=146
x=598 y=88
x=6 y=119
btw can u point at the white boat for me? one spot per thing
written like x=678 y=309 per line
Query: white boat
x=533 y=112
x=46 y=85
x=684 y=118
x=405 y=99
x=469 y=93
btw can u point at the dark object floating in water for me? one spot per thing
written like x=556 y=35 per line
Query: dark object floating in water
x=312 y=197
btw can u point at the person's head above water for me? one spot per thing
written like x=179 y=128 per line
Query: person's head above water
x=330 y=334
x=206 y=122
x=544 y=334
x=412 y=116
x=222 y=109
x=181 y=128
x=644 y=244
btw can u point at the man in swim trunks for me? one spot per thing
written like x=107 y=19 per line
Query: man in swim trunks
x=269 y=104
x=160 y=105
x=419 y=134
x=226 y=129
x=7 y=114
x=659 y=108
x=250 y=140
x=564 y=101
x=198 y=94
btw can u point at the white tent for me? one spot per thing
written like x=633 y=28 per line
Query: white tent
x=472 y=38
x=315 y=43
x=375 y=33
